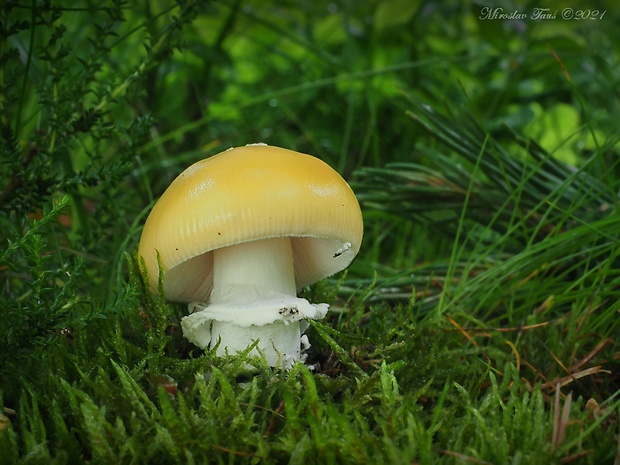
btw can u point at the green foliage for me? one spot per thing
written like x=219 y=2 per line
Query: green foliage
x=40 y=300
x=477 y=325
x=114 y=412
x=61 y=145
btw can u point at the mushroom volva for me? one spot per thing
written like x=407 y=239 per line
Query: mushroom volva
x=238 y=234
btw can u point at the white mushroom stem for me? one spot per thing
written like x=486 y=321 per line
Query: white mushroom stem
x=266 y=264
x=253 y=298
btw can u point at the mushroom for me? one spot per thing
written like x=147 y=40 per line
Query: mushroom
x=238 y=234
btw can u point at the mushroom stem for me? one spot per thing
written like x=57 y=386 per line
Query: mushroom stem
x=259 y=267
x=279 y=341
x=253 y=297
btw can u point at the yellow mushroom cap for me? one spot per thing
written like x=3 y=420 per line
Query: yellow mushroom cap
x=246 y=194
